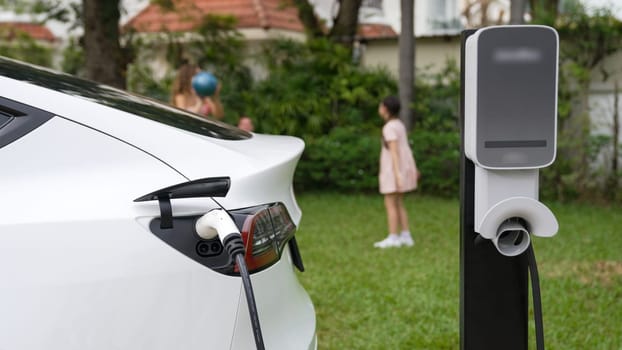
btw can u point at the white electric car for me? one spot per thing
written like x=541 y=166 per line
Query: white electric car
x=100 y=190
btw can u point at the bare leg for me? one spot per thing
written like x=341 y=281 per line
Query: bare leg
x=402 y=213
x=393 y=220
x=393 y=214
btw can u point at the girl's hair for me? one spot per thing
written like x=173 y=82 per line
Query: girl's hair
x=392 y=104
x=183 y=80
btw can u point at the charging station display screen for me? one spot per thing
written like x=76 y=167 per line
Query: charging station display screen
x=516 y=97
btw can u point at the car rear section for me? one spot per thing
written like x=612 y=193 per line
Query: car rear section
x=85 y=265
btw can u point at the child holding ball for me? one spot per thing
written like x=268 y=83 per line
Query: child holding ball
x=185 y=97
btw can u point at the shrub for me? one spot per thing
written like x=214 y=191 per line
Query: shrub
x=313 y=88
x=23 y=47
x=438 y=160
x=314 y=91
x=140 y=79
x=216 y=47
x=343 y=160
x=346 y=160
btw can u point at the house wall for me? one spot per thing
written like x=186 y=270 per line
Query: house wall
x=431 y=54
x=613 y=66
x=437 y=17
x=602 y=110
x=602 y=103
x=258 y=34
x=602 y=113
x=255 y=39
x=155 y=53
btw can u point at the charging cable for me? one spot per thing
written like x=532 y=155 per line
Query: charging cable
x=537 y=299
x=219 y=223
x=535 y=292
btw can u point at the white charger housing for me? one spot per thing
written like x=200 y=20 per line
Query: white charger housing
x=510 y=130
x=504 y=199
x=511 y=96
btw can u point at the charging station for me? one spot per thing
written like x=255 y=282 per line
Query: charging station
x=508 y=130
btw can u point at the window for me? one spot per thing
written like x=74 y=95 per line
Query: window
x=439 y=18
x=377 y=4
x=443 y=16
x=440 y=8
x=119 y=99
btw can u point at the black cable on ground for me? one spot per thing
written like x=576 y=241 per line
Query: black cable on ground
x=537 y=300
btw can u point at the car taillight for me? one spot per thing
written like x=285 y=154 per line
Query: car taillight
x=265 y=231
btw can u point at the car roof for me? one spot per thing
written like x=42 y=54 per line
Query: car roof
x=112 y=97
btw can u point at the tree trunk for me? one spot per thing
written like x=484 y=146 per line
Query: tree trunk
x=614 y=183
x=517 y=11
x=485 y=20
x=309 y=20
x=345 y=24
x=407 y=62
x=583 y=134
x=103 y=55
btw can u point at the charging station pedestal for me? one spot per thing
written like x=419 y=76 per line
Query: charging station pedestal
x=508 y=131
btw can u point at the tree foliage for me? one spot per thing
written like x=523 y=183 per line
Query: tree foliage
x=45 y=9
x=73 y=58
x=314 y=87
x=104 y=58
x=345 y=158
x=345 y=23
x=586 y=39
x=313 y=90
x=306 y=14
x=23 y=47
x=216 y=46
x=545 y=11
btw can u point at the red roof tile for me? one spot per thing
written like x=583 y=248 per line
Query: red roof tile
x=376 y=31
x=188 y=14
x=9 y=30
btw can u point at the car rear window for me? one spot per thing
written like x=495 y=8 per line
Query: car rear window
x=119 y=99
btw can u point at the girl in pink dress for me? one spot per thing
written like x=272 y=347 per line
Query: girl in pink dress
x=398 y=174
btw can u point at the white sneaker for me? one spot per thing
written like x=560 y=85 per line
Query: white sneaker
x=389 y=242
x=407 y=240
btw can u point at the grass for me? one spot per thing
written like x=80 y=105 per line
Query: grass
x=407 y=298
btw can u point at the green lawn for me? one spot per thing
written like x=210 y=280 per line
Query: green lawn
x=407 y=298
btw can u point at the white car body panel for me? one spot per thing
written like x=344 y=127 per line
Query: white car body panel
x=79 y=267
x=130 y=277
x=187 y=152
x=285 y=311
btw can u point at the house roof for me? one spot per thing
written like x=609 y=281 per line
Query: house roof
x=188 y=14
x=372 y=31
x=9 y=30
